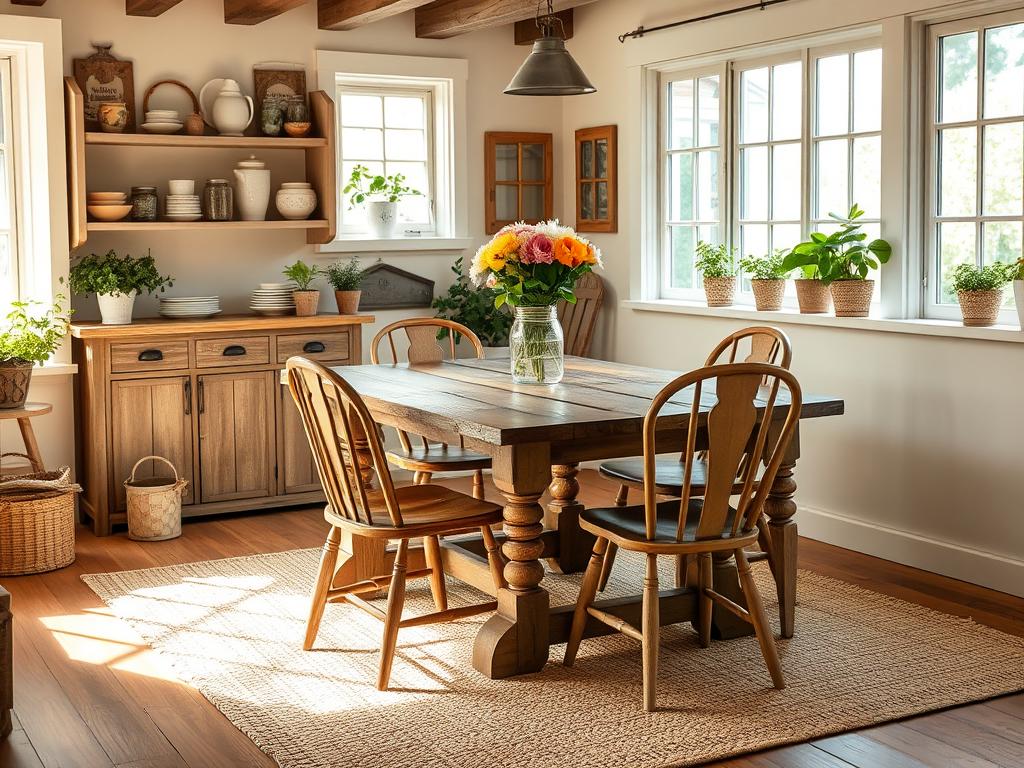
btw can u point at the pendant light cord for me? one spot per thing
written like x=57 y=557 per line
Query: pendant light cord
x=546 y=21
x=641 y=30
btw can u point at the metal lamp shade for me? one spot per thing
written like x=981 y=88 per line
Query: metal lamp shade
x=549 y=70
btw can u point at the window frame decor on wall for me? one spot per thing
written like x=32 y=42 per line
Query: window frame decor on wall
x=588 y=184
x=492 y=139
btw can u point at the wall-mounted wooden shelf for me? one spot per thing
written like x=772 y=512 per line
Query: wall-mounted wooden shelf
x=153 y=226
x=195 y=142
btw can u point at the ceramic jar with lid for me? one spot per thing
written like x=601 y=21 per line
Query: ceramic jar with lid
x=252 y=182
x=272 y=115
x=218 y=201
x=295 y=200
x=296 y=121
x=144 y=203
x=112 y=116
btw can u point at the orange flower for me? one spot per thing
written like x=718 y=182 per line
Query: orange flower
x=571 y=252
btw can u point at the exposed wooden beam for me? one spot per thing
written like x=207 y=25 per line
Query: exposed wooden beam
x=526 y=31
x=447 y=18
x=256 y=11
x=349 y=14
x=27 y=2
x=148 y=7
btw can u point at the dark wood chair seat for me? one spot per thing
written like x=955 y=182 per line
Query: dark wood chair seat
x=625 y=525
x=438 y=457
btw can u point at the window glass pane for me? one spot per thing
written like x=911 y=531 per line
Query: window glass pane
x=362 y=144
x=533 y=162
x=867 y=175
x=754 y=183
x=7 y=277
x=786 y=181
x=708 y=114
x=681 y=187
x=867 y=90
x=415 y=174
x=601 y=159
x=1004 y=71
x=787 y=113
x=414 y=208
x=356 y=217
x=361 y=111
x=754 y=105
x=682 y=243
x=404 y=112
x=680 y=101
x=587 y=159
x=533 y=201
x=707 y=186
x=587 y=200
x=506 y=202
x=1004 y=169
x=832 y=177
x=403 y=144
x=506 y=162
x=602 y=200
x=956 y=246
x=5 y=192
x=832 y=98
x=958 y=55
x=754 y=239
x=786 y=236
x=958 y=171
x=1002 y=240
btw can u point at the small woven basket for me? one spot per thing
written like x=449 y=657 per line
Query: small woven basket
x=852 y=297
x=813 y=297
x=720 y=291
x=154 y=504
x=37 y=521
x=980 y=308
x=768 y=294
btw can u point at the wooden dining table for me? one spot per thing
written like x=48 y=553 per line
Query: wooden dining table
x=537 y=437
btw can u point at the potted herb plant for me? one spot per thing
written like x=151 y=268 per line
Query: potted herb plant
x=380 y=194
x=980 y=291
x=767 y=279
x=1017 y=275
x=717 y=264
x=116 y=281
x=306 y=297
x=26 y=339
x=345 y=278
x=474 y=309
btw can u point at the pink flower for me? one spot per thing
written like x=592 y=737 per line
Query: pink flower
x=539 y=250
x=491 y=281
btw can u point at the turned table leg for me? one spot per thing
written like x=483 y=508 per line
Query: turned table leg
x=780 y=508
x=563 y=515
x=28 y=436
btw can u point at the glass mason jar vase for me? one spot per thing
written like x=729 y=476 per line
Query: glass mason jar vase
x=536 y=346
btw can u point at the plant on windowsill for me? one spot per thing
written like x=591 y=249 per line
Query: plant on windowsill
x=717 y=264
x=116 y=281
x=345 y=278
x=1017 y=275
x=28 y=338
x=980 y=291
x=306 y=297
x=767 y=279
x=380 y=194
x=473 y=308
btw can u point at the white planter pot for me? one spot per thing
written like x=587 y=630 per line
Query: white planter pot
x=116 y=308
x=1018 y=297
x=382 y=218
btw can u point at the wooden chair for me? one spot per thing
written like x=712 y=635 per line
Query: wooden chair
x=336 y=421
x=579 y=320
x=757 y=344
x=425 y=347
x=698 y=527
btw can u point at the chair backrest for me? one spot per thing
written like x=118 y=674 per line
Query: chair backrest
x=425 y=336
x=340 y=428
x=734 y=429
x=579 y=320
x=762 y=344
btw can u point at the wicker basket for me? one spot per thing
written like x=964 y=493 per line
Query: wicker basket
x=852 y=297
x=980 y=308
x=768 y=294
x=813 y=297
x=154 y=504
x=37 y=521
x=720 y=291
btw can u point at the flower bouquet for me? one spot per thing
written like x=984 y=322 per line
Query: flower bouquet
x=531 y=267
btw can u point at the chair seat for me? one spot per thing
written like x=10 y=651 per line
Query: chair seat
x=668 y=475
x=439 y=458
x=426 y=510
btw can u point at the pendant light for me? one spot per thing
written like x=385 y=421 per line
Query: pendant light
x=549 y=70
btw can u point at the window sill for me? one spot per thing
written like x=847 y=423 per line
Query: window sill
x=921 y=327
x=395 y=245
x=55 y=369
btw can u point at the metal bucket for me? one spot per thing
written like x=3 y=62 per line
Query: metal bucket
x=154 y=504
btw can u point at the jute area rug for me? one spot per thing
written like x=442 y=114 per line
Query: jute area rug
x=233 y=629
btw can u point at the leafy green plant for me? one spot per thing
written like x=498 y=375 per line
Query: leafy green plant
x=345 y=276
x=474 y=308
x=363 y=185
x=30 y=337
x=968 y=277
x=715 y=260
x=302 y=274
x=113 y=274
x=842 y=255
x=768 y=267
x=1017 y=270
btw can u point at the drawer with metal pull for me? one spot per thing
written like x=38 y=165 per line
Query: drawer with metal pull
x=232 y=350
x=332 y=345
x=130 y=357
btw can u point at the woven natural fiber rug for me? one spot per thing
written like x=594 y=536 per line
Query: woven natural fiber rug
x=233 y=628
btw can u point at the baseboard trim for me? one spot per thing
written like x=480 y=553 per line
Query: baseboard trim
x=976 y=566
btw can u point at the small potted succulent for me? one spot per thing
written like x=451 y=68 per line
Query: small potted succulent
x=27 y=338
x=345 y=278
x=116 y=281
x=380 y=194
x=307 y=298
x=1017 y=275
x=718 y=266
x=767 y=279
x=980 y=291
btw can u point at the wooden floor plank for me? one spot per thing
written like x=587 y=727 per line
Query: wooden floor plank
x=931 y=751
x=973 y=737
x=17 y=751
x=175 y=761
x=1013 y=705
x=221 y=747
x=862 y=751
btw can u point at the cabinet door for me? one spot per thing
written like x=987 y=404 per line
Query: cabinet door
x=151 y=417
x=236 y=437
x=298 y=471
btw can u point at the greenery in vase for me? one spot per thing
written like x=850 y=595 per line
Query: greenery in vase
x=1017 y=270
x=363 y=185
x=473 y=308
x=769 y=267
x=29 y=337
x=112 y=274
x=841 y=255
x=302 y=275
x=715 y=260
x=991 y=277
x=345 y=276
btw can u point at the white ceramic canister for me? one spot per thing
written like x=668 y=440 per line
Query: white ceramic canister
x=295 y=200
x=252 y=189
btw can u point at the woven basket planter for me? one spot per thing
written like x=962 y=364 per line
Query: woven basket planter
x=768 y=294
x=154 y=504
x=813 y=297
x=306 y=302
x=980 y=308
x=720 y=291
x=14 y=382
x=852 y=297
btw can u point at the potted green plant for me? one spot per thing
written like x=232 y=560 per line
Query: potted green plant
x=767 y=279
x=27 y=339
x=345 y=278
x=116 y=281
x=843 y=262
x=718 y=266
x=1017 y=275
x=980 y=291
x=380 y=194
x=307 y=298
x=473 y=308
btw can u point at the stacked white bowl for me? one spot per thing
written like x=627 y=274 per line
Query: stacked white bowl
x=182 y=203
x=189 y=306
x=162 y=121
x=273 y=299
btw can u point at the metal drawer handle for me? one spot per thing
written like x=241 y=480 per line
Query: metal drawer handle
x=314 y=347
x=150 y=355
x=188 y=397
x=235 y=350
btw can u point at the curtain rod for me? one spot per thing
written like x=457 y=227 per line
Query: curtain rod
x=641 y=30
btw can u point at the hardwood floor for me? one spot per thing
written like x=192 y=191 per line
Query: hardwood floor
x=89 y=694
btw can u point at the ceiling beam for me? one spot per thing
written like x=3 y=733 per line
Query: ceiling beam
x=349 y=14
x=256 y=11
x=526 y=31
x=447 y=18
x=148 y=7
x=27 y=2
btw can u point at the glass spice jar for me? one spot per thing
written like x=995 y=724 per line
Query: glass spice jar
x=144 y=203
x=218 y=201
x=272 y=115
x=297 y=111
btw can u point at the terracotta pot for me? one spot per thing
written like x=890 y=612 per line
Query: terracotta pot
x=15 y=377
x=348 y=301
x=720 y=291
x=813 y=297
x=306 y=302
x=768 y=294
x=980 y=308
x=852 y=297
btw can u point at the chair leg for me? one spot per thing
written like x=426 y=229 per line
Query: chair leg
x=432 y=551
x=621 y=499
x=396 y=601
x=650 y=631
x=759 y=619
x=328 y=560
x=494 y=560
x=764 y=540
x=705 y=603
x=587 y=592
x=425 y=477
x=478 y=485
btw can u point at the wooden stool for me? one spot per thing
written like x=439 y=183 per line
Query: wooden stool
x=24 y=416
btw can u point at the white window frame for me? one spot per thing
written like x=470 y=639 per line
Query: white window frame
x=10 y=146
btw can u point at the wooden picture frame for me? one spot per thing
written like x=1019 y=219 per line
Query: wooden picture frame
x=597 y=194
x=280 y=81
x=102 y=77
x=518 y=178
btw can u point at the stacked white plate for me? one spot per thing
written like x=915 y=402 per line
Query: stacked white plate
x=162 y=121
x=190 y=306
x=183 y=208
x=273 y=299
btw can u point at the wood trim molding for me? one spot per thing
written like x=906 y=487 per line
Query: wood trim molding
x=148 y=7
x=251 y=12
x=28 y=2
x=350 y=14
x=447 y=18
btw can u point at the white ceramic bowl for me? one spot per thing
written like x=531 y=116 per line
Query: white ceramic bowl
x=182 y=186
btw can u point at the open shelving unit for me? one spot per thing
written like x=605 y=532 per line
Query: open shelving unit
x=321 y=171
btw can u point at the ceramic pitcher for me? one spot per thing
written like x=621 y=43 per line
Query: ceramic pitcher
x=252 y=186
x=232 y=110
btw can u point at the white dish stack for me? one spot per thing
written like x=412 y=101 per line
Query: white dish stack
x=190 y=306
x=273 y=299
x=182 y=203
x=162 y=121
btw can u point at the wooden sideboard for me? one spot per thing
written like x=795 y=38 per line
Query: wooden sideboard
x=205 y=395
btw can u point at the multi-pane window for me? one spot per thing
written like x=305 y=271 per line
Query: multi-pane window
x=8 y=218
